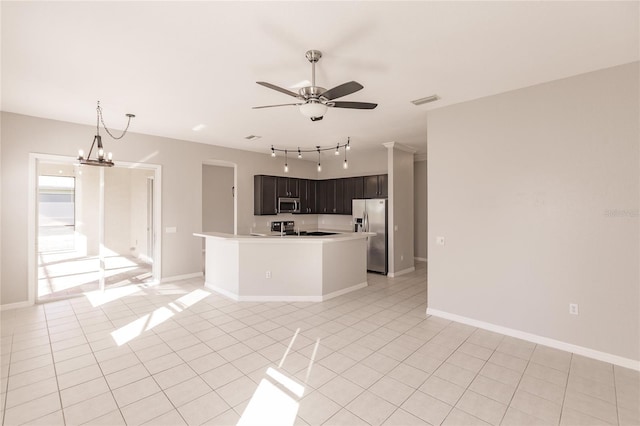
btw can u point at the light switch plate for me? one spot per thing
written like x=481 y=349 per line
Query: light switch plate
x=170 y=230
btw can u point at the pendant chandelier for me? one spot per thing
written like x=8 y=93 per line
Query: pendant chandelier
x=318 y=149
x=101 y=160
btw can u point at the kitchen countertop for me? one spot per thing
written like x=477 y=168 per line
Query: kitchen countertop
x=275 y=236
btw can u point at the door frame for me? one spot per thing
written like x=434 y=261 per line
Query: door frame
x=32 y=216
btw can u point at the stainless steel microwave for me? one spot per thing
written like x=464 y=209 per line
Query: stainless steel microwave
x=288 y=205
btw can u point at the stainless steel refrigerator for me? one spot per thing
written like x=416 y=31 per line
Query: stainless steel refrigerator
x=371 y=216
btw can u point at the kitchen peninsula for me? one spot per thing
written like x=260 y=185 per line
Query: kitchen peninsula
x=285 y=268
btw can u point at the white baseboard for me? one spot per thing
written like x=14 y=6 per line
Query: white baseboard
x=277 y=298
x=17 y=305
x=420 y=259
x=146 y=259
x=344 y=291
x=222 y=291
x=557 y=344
x=181 y=277
x=404 y=271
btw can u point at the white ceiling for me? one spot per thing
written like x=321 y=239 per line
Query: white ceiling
x=176 y=64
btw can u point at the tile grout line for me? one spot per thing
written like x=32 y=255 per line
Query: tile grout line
x=518 y=386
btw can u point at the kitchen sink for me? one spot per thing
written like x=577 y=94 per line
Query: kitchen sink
x=320 y=233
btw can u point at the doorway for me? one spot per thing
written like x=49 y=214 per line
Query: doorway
x=94 y=227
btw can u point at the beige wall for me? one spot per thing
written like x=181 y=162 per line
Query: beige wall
x=401 y=199
x=371 y=161
x=217 y=199
x=420 y=209
x=181 y=163
x=536 y=192
x=117 y=210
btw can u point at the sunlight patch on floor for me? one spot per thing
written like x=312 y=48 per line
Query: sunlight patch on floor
x=99 y=298
x=275 y=401
x=146 y=322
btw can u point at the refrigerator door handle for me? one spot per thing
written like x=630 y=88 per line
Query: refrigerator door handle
x=366 y=222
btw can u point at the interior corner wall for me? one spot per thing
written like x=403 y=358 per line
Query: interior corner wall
x=537 y=194
x=420 y=209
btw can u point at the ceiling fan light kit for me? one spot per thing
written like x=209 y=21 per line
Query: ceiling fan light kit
x=315 y=100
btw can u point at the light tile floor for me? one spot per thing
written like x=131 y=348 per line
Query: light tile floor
x=175 y=354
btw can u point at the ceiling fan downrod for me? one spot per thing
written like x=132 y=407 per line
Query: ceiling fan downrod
x=313 y=56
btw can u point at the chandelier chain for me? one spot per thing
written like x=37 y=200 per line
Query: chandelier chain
x=105 y=126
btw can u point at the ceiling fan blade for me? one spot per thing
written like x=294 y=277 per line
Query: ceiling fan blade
x=279 y=89
x=353 y=105
x=272 y=106
x=342 y=90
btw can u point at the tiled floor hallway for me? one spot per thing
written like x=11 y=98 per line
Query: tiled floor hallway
x=175 y=354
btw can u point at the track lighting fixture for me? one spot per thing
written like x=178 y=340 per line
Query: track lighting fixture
x=318 y=149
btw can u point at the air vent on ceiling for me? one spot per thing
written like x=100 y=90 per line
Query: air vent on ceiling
x=426 y=100
x=252 y=137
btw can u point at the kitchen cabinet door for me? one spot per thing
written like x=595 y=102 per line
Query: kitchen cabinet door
x=383 y=191
x=353 y=190
x=358 y=187
x=321 y=196
x=330 y=201
x=288 y=187
x=340 y=204
x=264 y=195
x=370 y=186
x=307 y=196
x=375 y=186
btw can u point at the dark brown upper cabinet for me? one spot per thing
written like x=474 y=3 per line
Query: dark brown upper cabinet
x=264 y=195
x=288 y=187
x=375 y=186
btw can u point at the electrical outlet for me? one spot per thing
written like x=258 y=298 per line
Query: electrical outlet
x=573 y=308
x=401 y=257
x=268 y=274
x=440 y=241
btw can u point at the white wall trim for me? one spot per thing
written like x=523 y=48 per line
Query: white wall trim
x=328 y=296
x=17 y=305
x=344 y=291
x=401 y=147
x=181 y=277
x=420 y=259
x=557 y=344
x=221 y=291
x=403 y=272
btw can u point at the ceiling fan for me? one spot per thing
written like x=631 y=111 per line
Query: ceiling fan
x=314 y=99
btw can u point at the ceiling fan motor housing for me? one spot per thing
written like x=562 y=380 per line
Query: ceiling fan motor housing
x=311 y=92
